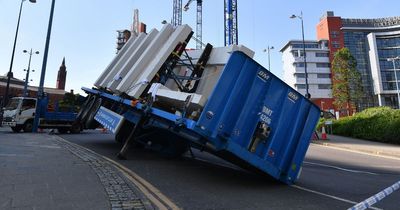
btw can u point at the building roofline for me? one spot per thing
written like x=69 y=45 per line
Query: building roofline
x=299 y=40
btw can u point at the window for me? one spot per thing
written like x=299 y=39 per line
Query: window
x=307 y=45
x=324 y=86
x=323 y=65
x=299 y=64
x=334 y=34
x=300 y=86
x=323 y=76
x=298 y=53
x=28 y=104
x=321 y=54
x=300 y=75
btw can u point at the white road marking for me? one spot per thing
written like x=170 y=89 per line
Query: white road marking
x=330 y=196
x=340 y=168
x=355 y=151
x=14 y=155
x=296 y=186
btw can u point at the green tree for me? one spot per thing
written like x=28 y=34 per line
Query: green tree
x=70 y=101
x=347 y=87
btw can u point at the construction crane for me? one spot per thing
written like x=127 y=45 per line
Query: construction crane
x=230 y=22
x=177 y=13
x=198 y=21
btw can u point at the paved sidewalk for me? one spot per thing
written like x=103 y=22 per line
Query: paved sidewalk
x=37 y=171
x=360 y=145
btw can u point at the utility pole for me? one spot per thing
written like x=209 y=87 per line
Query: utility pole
x=27 y=72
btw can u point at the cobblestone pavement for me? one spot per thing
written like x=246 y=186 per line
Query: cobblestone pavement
x=122 y=194
x=39 y=171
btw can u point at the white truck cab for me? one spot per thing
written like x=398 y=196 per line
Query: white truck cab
x=19 y=114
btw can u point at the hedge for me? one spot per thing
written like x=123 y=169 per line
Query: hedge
x=377 y=124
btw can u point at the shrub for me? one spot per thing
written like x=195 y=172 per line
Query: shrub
x=377 y=124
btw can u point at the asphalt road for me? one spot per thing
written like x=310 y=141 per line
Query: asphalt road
x=330 y=179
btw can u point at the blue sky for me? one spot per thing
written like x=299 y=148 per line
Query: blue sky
x=84 y=31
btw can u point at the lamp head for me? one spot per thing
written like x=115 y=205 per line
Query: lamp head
x=272 y=47
x=293 y=16
x=37 y=52
x=32 y=1
x=25 y=51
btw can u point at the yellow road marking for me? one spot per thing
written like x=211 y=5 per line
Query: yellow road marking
x=152 y=193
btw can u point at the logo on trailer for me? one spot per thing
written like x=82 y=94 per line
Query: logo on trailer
x=263 y=75
x=293 y=96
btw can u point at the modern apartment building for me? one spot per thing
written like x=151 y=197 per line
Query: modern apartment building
x=318 y=70
x=372 y=42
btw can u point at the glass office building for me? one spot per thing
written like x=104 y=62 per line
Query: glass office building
x=372 y=42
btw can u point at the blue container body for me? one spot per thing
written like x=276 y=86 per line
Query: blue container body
x=247 y=96
x=246 y=99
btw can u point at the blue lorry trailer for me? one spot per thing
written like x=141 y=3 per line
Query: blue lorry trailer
x=252 y=119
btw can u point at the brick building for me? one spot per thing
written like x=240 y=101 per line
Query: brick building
x=17 y=87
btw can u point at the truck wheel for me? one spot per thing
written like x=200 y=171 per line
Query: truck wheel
x=82 y=116
x=91 y=123
x=62 y=130
x=75 y=128
x=16 y=129
x=83 y=107
x=28 y=126
x=169 y=145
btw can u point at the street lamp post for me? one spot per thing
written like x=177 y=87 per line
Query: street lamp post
x=395 y=76
x=308 y=95
x=9 y=74
x=269 y=58
x=28 y=70
x=40 y=93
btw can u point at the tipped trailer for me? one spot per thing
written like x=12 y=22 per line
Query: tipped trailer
x=217 y=100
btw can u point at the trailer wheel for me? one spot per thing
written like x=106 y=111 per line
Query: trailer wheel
x=172 y=150
x=75 y=128
x=86 y=109
x=62 y=130
x=83 y=107
x=169 y=145
x=91 y=123
x=28 y=126
x=16 y=129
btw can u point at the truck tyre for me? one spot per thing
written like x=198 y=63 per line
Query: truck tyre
x=16 y=129
x=169 y=145
x=28 y=126
x=62 y=130
x=91 y=123
x=171 y=149
x=75 y=128
x=86 y=109
x=83 y=107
